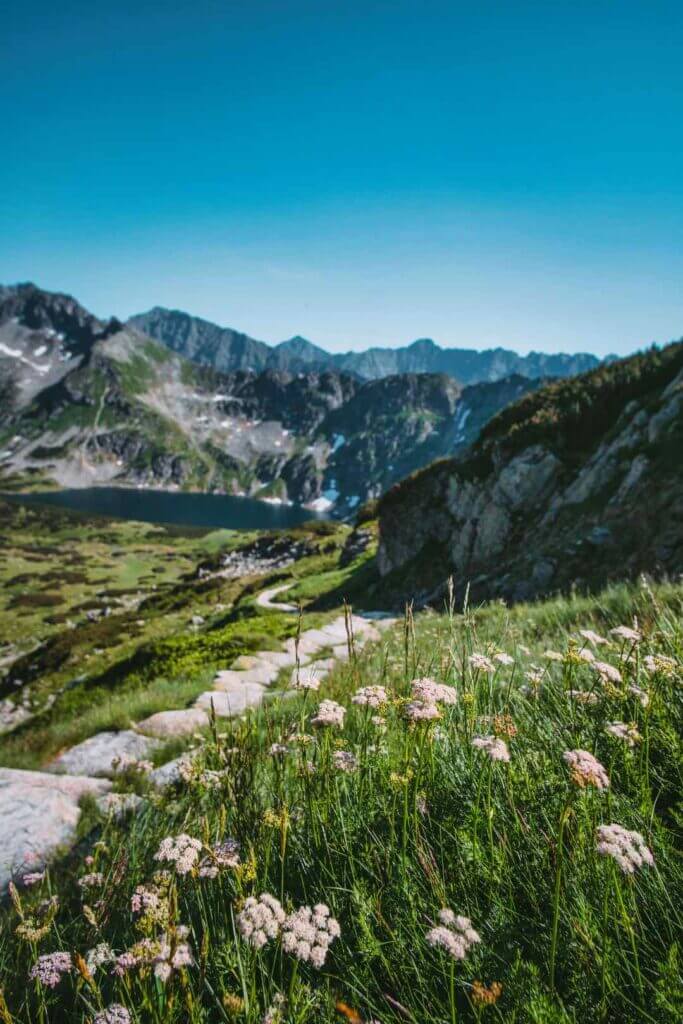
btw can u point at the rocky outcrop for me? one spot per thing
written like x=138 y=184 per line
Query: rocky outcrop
x=516 y=520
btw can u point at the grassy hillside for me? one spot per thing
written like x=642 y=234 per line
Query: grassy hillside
x=390 y=818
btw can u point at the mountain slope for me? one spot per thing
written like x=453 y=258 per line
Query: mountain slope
x=107 y=403
x=225 y=349
x=576 y=483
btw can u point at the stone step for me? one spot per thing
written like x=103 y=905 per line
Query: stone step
x=228 y=704
x=95 y=756
x=183 y=722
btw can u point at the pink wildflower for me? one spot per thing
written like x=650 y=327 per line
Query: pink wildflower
x=50 y=967
x=454 y=934
x=496 y=748
x=329 y=713
x=586 y=770
x=307 y=934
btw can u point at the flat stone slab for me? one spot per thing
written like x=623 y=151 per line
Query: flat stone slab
x=183 y=722
x=72 y=786
x=39 y=815
x=340 y=652
x=231 y=703
x=94 y=756
x=281 y=658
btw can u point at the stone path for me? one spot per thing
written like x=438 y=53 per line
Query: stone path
x=265 y=599
x=40 y=810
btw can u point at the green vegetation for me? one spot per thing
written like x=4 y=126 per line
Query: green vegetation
x=391 y=821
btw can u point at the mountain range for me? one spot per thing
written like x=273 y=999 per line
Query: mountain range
x=85 y=401
x=225 y=349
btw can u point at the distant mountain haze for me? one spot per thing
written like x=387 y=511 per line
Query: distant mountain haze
x=225 y=349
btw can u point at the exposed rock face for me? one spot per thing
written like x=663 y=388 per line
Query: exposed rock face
x=595 y=495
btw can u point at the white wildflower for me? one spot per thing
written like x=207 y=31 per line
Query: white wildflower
x=370 y=696
x=627 y=848
x=114 y=1014
x=494 y=747
x=329 y=713
x=344 y=761
x=182 y=850
x=503 y=659
x=421 y=711
x=308 y=933
x=626 y=731
x=480 y=663
x=628 y=635
x=455 y=934
x=608 y=673
x=430 y=692
x=260 y=919
x=592 y=637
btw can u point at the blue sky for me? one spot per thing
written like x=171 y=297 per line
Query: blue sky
x=362 y=173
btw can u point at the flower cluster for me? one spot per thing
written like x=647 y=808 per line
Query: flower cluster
x=628 y=635
x=172 y=954
x=627 y=848
x=430 y=692
x=421 y=711
x=307 y=934
x=659 y=663
x=32 y=878
x=370 y=696
x=100 y=955
x=626 y=731
x=182 y=850
x=344 y=761
x=454 y=933
x=223 y=855
x=503 y=659
x=260 y=919
x=607 y=673
x=592 y=637
x=114 y=1014
x=496 y=748
x=50 y=967
x=586 y=770
x=91 y=881
x=480 y=663
x=329 y=713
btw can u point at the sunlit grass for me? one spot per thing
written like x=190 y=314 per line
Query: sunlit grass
x=425 y=822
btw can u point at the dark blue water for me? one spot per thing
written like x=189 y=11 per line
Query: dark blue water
x=214 y=510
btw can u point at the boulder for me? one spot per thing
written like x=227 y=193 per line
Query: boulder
x=95 y=756
x=39 y=813
x=231 y=703
x=183 y=722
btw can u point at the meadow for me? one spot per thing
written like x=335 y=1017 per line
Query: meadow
x=477 y=818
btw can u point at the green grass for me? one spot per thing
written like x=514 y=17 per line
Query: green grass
x=426 y=821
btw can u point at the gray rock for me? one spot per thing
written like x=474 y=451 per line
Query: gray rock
x=168 y=774
x=182 y=722
x=229 y=704
x=39 y=813
x=94 y=756
x=118 y=805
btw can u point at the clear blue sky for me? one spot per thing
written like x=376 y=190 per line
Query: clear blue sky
x=359 y=172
